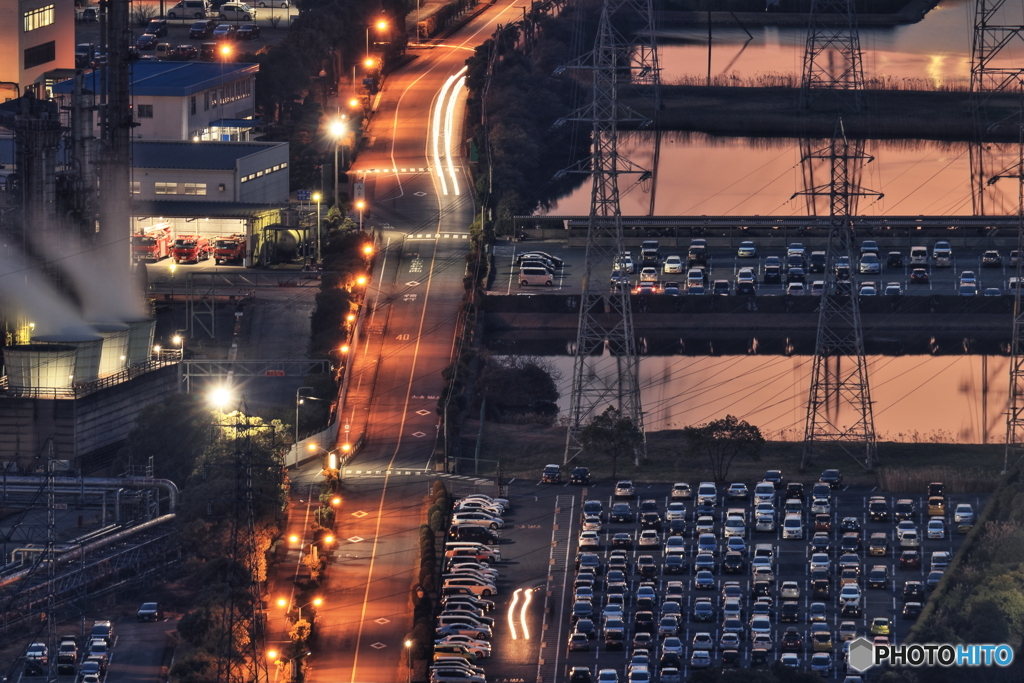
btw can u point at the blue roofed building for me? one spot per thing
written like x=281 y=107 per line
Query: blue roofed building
x=185 y=100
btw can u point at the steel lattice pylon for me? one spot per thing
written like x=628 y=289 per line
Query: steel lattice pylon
x=839 y=402
x=605 y=366
x=832 y=55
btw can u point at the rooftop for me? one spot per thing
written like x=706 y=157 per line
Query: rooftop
x=169 y=79
x=207 y=156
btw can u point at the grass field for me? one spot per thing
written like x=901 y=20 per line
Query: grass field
x=523 y=450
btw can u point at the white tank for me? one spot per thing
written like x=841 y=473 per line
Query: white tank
x=40 y=366
x=114 y=357
x=140 y=340
x=88 y=348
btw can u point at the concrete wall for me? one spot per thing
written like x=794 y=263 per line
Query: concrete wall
x=265 y=175
x=83 y=430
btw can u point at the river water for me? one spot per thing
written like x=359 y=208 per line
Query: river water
x=938 y=399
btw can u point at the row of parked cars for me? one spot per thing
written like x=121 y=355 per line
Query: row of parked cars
x=88 y=661
x=463 y=631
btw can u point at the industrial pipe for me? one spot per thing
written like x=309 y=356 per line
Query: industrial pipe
x=103 y=483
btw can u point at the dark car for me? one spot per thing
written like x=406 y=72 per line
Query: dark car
x=791 y=612
x=147 y=41
x=936 y=488
x=821 y=589
x=733 y=563
x=202 y=29
x=650 y=520
x=794 y=489
x=646 y=567
x=730 y=658
x=674 y=564
x=878 y=509
x=796 y=274
x=851 y=542
x=912 y=610
x=792 y=641
x=894 y=260
x=834 y=478
x=474 y=534
x=775 y=477
x=225 y=32
x=931 y=581
x=910 y=559
x=150 y=611
x=758 y=658
x=622 y=540
x=580 y=674
x=671 y=289
x=773 y=275
x=621 y=512
x=208 y=52
x=248 y=32
x=919 y=276
x=157 y=27
x=822 y=522
x=580 y=475
x=849 y=524
x=185 y=52
x=913 y=591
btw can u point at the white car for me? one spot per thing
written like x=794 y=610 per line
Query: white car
x=761 y=624
x=795 y=288
x=964 y=514
x=681 y=491
x=649 y=539
x=820 y=561
x=765 y=523
x=478 y=519
x=673 y=265
x=735 y=527
x=910 y=539
x=904 y=526
x=236 y=10
x=940 y=560
x=589 y=539
x=869 y=264
x=591 y=523
x=648 y=274
x=747 y=249
x=936 y=528
x=821 y=506
x=625 y=262
x=849 y=594
x=675 y=511
x=764 y=508
x=705 y=524
x=790 y=590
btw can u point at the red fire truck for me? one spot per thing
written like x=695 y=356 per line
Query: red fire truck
x=152 y=244
x=229 y=248
x=194 y=248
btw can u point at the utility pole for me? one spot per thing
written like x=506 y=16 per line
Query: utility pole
x=832 y=29
x=839 y=402
x=605 y=366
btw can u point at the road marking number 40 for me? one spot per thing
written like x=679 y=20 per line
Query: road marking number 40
x=402 y=337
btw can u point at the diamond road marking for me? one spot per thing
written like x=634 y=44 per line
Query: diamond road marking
x=412 y=283
x=378 y=646
x=382 y=621
x=356 y=539
x=360 y=513
x=419 y=435
x=420 y=194
x=423 y=412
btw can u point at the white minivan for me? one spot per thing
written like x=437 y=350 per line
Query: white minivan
x=764 y=492
x=197 y=9
x=535 y=276
x=793 y=527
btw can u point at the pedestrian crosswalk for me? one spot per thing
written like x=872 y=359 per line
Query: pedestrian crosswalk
x=355 y=473
x=439 y=236
x=396 y=169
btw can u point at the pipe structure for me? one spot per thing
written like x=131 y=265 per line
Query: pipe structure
x=80 y=550
x=100 y=483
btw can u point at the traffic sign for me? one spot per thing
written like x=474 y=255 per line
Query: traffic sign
x=304 y=195
x=359 y=190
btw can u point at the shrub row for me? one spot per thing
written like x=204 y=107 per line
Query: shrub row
x=421 y=635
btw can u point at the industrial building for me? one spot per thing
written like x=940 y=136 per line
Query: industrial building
x=37 y=45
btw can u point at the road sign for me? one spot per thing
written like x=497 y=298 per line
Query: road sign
x=304 y=195
x=359 y=190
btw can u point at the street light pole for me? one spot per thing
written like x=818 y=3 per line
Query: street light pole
x=316 y=198
x=360 y=205
x=298 y=402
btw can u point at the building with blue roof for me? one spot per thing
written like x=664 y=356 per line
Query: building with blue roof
x=185 y=100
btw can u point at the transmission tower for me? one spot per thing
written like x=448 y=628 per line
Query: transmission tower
x=605 y=366
x=832 y=55
x=1015 y=395
x=241 y=657
x=839 y=402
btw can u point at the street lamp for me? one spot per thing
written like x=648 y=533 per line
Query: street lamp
x=337 y=132
x=179 y=341
x=408 y=658
x=332 y=457
x=380 y=26
x=360 y=205
x=298 y=402
x=220 y=397
x=316 y=602
x=317 y=198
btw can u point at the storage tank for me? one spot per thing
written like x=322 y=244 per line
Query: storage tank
x=114 y=356
x=88 y=347
x=140 y=340
x=40 y=366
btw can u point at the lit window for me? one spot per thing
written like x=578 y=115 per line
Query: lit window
x=166 y=188
x=245 y=179
x=38 y=18
x=259 y=174
x=277 y=167
x=284 y=165
x=136 y=187
x=195 y=188
x=145 y=111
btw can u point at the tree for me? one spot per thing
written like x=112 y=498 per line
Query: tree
x=518 y=387
x=612 y=434
x=721 y=441
x=174 y=433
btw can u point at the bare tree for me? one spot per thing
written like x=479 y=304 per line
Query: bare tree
x=612 y=434
x=722 y=440
x=143 y=14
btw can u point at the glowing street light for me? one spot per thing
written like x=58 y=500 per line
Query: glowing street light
x=220 y=397
x=344 y=348
x=351 y=317
x=368 y=250
x=361 y=280
x=380 y=26
x=361 y=206
x=271 y=655
x=225 y=51
x=317 y=198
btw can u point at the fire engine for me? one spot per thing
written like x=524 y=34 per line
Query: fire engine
x=229 y=248
x=152 y=244
x=194 y=248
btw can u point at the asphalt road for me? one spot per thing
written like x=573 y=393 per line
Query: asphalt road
x=422 y=219
x=723 y=264
x=791 y=564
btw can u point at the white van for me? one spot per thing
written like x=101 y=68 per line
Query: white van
x=535 y=276
x=793 y=527
x=283 y=4
x=919 y=256
x=764 y=492
x=707 y=493
x=198 y=9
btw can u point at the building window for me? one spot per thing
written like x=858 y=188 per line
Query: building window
x=145 y=111
x=195 y=188
x=166 y=188
x=206 y=101
x=40 y=54
x=136 y=187
x=192 y=106
x=38 y=18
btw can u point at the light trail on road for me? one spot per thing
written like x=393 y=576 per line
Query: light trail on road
x=512 y=613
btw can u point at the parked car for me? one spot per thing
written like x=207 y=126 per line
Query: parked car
x=202 y=29
x=146 y=42
x=225 y=32
x=239 y=11
x=248 y=32
x=149 y=611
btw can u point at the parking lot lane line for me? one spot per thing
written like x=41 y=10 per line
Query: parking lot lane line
x=511 y=270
